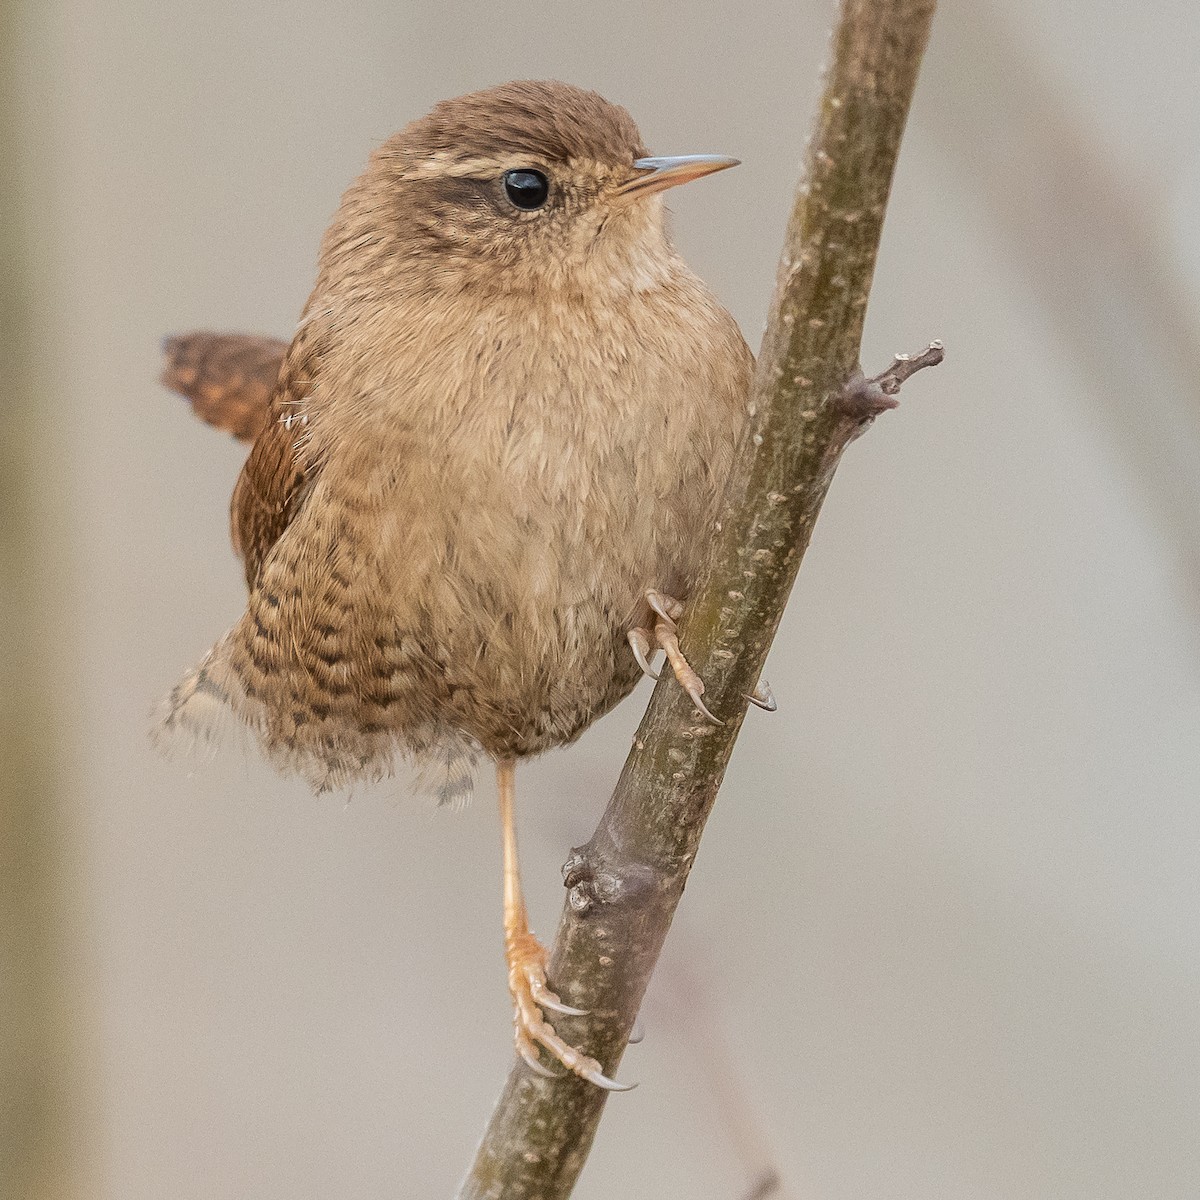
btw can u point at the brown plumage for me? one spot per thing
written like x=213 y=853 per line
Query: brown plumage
x=495 y=429
x=228 y=377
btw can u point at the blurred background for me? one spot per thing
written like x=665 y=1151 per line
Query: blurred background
x=943 y=939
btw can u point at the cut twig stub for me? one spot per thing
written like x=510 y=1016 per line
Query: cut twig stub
x=863 y=399
x=904 y=365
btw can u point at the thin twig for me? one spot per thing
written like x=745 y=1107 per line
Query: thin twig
x=906 y=365
x=864 y=399
x=625 y=883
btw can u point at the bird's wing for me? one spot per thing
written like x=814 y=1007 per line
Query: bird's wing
x=228 y=377
x=248 y=386
x=281 y=469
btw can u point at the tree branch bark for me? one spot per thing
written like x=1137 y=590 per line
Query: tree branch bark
x=808 y=402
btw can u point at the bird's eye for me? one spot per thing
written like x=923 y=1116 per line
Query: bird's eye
x=526 y=189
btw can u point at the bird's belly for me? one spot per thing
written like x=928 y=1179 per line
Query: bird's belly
x=521 y=683
x=529 y=636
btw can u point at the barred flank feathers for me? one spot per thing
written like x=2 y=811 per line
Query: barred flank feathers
x=215 y=696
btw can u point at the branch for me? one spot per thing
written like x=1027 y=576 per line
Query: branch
x=808 y=402
x=39 y=1153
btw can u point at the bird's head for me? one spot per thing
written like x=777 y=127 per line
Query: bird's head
x=525 y=185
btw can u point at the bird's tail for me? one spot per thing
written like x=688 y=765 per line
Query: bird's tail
x=203 y=706
x=222 y=693
x=227 y=377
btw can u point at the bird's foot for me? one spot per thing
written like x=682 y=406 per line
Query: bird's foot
x=667 y=611
x=643 y=643
x=531 y=993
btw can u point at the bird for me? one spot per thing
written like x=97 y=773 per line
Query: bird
x=483 y=473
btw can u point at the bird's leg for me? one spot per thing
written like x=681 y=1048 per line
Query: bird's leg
x=668 y=611
x=526 y=958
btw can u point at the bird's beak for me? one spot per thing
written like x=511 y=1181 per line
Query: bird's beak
x=658 y=174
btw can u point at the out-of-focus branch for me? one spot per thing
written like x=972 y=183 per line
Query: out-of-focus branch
x=36 y=1150
x=1083 y=235
x=766 y=1185
x=682 y=1005
x=808 y=403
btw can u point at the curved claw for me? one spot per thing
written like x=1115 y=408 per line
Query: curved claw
x=764 y=697
x=668 y=609
x=603 y=1081
x=571 y=1058
x=548 y=999
x=694 y=695
x=639 y=643
x=534 y=1063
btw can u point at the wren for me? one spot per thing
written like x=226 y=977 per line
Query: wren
x=484 y=472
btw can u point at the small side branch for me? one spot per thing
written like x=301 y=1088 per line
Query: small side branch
x=906 y=365
x=864 y=399
x=625 y=883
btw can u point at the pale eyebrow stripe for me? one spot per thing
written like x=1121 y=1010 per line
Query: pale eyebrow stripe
x=444 y=165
